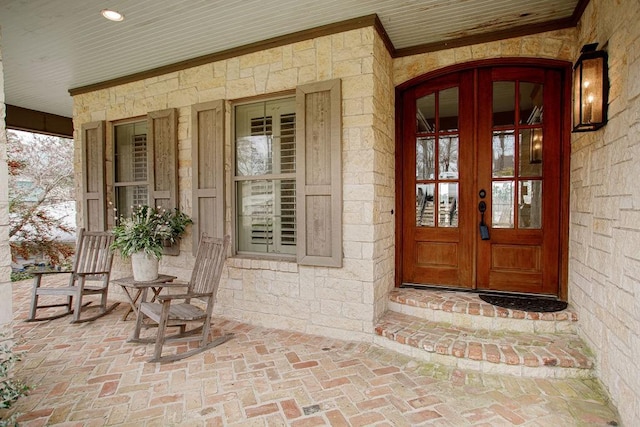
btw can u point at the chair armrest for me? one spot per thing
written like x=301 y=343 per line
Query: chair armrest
x=163 y=298
x=41 y=273
x=93 y=273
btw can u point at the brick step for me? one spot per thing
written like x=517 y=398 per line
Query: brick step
x=466 y=309
x=459 y=329
x=527 y=354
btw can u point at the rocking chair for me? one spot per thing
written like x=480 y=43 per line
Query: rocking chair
x=92 y=263
x=166 y=312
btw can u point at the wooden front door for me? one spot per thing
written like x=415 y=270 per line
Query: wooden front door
x=481 y=180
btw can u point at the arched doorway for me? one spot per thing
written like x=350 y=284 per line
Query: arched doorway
x=482 y=171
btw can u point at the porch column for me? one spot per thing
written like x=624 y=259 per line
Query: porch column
x=6 y=308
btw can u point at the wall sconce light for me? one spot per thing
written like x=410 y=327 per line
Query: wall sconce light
x=590 y=89
x=535 y=146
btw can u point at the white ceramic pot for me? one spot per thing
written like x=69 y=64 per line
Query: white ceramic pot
x=145 y=267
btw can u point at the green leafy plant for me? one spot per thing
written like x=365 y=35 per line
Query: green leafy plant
x=10 y=389
x=147 y=230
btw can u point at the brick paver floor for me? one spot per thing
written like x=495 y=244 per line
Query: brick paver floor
x=88 y=375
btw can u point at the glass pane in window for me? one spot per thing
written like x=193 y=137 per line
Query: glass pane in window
x=530 y=163
x=130 y=147
x=254 y=155
x=129 y=197
x=266 y=216
x=448 y=204
x=426 y=113
x=425 y=158
x=448 y=157
x=502 y=204
x=504 y=103
x=530 y=204
x=448 y=103
x=503 y=153
x=425 y=206
x=530 y=103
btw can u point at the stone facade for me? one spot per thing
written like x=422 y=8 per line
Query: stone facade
x=6 y=308
x=604 y=262
x=340 y=302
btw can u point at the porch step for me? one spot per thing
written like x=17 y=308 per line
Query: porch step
x=460 y=330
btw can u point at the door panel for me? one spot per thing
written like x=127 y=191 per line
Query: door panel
x=489 y=135
x=518 y=164
x=439 y=173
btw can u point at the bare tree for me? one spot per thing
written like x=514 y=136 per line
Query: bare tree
x=40 y=174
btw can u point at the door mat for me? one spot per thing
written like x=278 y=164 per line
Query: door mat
x=525 y=303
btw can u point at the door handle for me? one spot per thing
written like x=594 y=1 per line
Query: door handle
x=484 y=230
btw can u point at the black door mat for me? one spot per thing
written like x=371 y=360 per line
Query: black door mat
x=525 y=303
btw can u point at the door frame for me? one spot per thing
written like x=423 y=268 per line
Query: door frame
x=565 y=69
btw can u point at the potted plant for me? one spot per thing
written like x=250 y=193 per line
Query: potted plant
x=143 y=235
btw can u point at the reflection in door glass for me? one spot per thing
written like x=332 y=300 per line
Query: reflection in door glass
x=530 y=103
x=425 y=206
x=504 y=101
x=448 y=110
x=448 y=157
x=530 y=204
x=425 y=157
x=530 y=156
x=426 y=113
x=448 y=204
x=502 y=204
x=503 y=153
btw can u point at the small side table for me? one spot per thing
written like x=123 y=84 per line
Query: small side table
x=133 y=289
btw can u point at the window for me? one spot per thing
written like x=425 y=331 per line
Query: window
x=265 y=176
x=130 y=157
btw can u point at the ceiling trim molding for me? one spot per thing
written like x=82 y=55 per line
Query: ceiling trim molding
x=27 y=120
x=579 y=10
x=325 y=30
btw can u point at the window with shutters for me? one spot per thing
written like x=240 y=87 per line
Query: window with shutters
x=265 y=176
x=131 y=175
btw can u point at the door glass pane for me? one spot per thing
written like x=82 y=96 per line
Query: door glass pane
x=503 y=153
x=448 y=157
x=425 y=207
x=426 y=113
x=530 y=204
x=425 y=157
x=502 y=204
x=530 y=163
x=448 y=204
x=504 y=100
x=530 y=103
x=448 y=103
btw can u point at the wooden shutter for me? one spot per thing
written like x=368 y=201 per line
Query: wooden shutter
x=207 y=122
x=162 y=158
x=93 y=176
x=319 y=173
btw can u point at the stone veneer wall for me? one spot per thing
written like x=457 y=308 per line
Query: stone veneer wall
x=6 y=309
x=604 y=264
x=336 y=302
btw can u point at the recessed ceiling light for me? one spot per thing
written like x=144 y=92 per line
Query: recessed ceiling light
x=112 y=15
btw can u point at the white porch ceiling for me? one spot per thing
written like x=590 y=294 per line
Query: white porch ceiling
x=51 y=46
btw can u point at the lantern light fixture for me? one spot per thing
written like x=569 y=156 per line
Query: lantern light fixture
x=590 y=89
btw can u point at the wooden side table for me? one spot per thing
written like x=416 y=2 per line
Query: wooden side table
x=133 y=289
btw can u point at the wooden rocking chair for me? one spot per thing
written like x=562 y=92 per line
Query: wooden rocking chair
x=91 y=264
x=166 y=312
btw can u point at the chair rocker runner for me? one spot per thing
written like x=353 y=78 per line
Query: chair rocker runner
x=167 y=311
x=91 y=264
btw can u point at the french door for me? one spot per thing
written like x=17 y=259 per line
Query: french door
x=481 y=180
